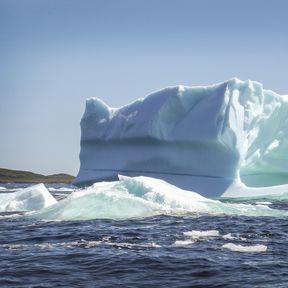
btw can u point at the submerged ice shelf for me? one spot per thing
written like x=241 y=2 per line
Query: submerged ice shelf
x=224 y=139
x=140 y=197
x=127 y=198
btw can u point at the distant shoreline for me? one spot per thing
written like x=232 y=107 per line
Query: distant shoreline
x=18 y=176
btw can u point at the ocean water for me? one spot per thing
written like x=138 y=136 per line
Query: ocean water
x=246 y=247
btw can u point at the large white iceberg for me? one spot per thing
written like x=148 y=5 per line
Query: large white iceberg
x=214 y=140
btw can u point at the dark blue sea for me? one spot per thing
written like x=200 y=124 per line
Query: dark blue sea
x=185 y=250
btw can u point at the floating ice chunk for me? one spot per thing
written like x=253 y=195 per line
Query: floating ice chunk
x=245 y=249
x=31 y=198
x=2 y=188
x=194 y=236
x=202 y=234
x=182 y=243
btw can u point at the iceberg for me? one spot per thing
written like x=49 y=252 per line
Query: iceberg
x=31 y=198
x=228 y=139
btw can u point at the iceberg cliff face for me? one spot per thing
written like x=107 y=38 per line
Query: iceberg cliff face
x=199 y=138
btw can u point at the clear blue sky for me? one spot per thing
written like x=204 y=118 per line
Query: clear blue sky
x=56 y=53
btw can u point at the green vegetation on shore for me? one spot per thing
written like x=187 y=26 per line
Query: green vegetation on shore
x=17 y=176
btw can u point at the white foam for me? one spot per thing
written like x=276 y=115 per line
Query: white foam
x=229 y=236
x=245 y=249
x=263 y=203
x=61 y=189
x=2 y=188
x=79 y=243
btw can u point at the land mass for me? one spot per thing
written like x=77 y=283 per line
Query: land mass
x=7 y=175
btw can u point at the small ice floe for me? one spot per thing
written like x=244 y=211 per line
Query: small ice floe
x=2 y=188
x=194 y=234
x=31 y=198
x=182 y=243
x=245 y=249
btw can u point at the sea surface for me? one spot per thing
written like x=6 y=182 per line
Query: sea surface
x=163 y=250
